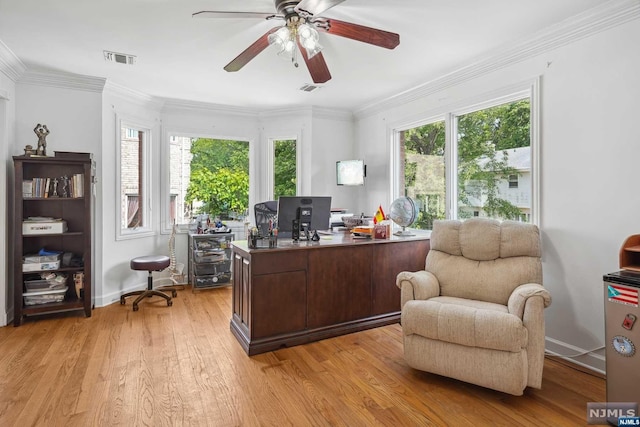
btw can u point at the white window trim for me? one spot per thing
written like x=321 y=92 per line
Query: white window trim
x=146 y=230
x=165 y=199
x=529 y=88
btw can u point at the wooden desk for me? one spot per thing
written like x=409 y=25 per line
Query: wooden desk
x=298 y=293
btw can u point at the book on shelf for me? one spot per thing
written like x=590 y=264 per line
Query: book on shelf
x=53 y=187
x=77 y=185
x=80 y=184
x=27 y=188
x=47 y=183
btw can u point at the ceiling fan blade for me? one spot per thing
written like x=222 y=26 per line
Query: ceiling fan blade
x=308 y=8
x=251 y=52
x=217 y=14
x=358 y=32
x=316 y=65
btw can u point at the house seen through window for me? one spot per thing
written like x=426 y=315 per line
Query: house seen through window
x=490 y=161
x=134 y=212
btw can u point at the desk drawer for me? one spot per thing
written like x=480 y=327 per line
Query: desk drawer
x=266 y=262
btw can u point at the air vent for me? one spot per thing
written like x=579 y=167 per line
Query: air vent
x=309 y=88
x=120 y=58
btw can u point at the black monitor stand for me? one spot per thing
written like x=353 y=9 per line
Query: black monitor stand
x=302 y=224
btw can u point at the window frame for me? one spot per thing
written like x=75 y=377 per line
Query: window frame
x=165 y=198
x=529 y=89
x=146 y=229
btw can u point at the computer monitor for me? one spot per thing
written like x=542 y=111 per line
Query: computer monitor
x=288 y=211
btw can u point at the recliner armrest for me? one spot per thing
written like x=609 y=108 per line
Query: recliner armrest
x=520 y=295
x=417 y=285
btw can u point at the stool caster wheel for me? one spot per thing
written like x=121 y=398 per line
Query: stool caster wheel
x=122 y=301
x=135 y=307
x=169 y=303
x=174 y=293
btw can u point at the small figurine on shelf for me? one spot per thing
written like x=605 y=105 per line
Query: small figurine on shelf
x=65 y=186
x=78 y=280
x=55 y=187
x=29 y=151
x=41 y=131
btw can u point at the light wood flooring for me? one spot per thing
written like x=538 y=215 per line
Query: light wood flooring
x=180 y=365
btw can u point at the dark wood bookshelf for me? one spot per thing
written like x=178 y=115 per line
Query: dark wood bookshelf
x=76 y=211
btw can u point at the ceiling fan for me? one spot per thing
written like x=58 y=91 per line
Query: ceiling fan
x=302 y=22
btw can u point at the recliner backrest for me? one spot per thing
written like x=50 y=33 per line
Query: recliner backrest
x=484 y=259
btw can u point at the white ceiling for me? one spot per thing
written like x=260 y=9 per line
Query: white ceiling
x=183 y=57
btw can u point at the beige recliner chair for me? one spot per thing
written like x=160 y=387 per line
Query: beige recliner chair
x=476 y=312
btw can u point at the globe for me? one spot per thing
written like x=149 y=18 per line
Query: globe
x=404 y=213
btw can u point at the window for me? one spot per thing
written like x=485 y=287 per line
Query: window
x=134 y=213
x=422 y=176
x=493 y=145
x=284 y=168
x=478 y=162
x=207 y=177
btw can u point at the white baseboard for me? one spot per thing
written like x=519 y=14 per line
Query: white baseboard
x=114 y=297
x=6 y=317
x=594 y=360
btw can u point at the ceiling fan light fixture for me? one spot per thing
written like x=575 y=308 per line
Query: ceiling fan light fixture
x=287 y=52
x=283 y=42
x=307 y=34
x=308 y=37
x=280 y=36
x=313 y=51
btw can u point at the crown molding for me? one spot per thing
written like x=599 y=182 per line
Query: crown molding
x=312 y=112
x=303 y=110
x=133 y=96
x=332 y=114
x=10 y=64
x=170 y=104
x=593 y=21
x=62 y=80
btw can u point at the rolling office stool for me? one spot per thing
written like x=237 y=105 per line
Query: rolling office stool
x=150 y=264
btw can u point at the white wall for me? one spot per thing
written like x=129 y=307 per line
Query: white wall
x=333 y=139
x=7 y=129
x=589 y=154
x=115 y=276
x=323 y=137
x=373 y=144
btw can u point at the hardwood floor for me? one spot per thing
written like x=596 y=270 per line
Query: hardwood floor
x=180 y=365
